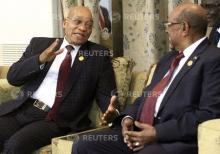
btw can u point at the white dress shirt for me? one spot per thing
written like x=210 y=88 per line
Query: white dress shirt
x=47 y=90
x=218 y=44
x=187 y=53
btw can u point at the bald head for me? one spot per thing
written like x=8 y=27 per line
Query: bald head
x=73 y=10
x=194 y=15
x=190 y=7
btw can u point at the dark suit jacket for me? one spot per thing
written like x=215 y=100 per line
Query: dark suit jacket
x=107 y=18
x=193 y=97
x=91 y=78
x=214 y=36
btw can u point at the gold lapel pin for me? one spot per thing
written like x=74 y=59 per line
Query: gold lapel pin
x=189 y=63
x=81 y=58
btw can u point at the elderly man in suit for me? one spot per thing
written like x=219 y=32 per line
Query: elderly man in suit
x=183 y=93
x=213 y=16
x=60 y=79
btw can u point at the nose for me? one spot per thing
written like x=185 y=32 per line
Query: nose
x=82 y=27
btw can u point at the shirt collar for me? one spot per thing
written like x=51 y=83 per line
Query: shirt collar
x=65 y=43
x=190 y=49
x=218 y=29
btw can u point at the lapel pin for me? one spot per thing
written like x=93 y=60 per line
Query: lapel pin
x=189 y=63
x=81 y=58
x=195 y=57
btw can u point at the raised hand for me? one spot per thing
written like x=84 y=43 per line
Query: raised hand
x=111 y=112
x=50 y=53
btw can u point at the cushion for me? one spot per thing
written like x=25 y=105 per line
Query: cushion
x=123 y=71
x=138 y=82
x=209 y=137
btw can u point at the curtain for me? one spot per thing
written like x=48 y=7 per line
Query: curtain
x=144 y=38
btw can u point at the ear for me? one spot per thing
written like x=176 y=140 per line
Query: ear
x=64 y=23
x=185 y=28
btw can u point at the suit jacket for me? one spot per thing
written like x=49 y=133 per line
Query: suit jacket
x=214 y=35
x=193 y=97
x=105 y=13
x=91 y=78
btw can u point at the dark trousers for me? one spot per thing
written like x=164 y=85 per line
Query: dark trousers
x=110 y=142
x=26 y=129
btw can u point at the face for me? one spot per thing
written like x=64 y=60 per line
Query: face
x=213 y=10
x=78 y=25
x=173 y=29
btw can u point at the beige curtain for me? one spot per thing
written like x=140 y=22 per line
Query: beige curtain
x=144 y=38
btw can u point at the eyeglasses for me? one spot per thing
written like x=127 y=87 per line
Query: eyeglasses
x=78 y=22
x=169 y=24
x=210 y=6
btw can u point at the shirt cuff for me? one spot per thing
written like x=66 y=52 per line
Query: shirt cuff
x=117 y=111
x=42 y=66
x=125 y=118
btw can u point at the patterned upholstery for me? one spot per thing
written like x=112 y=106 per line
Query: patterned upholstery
x=123 y=69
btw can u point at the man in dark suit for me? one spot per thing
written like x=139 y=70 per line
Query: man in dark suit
x=183 y=93
x=213 y=16
x=104 y=19
x=60 y=79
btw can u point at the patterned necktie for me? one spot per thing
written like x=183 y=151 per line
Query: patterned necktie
x=147 y=113
x=63 y=75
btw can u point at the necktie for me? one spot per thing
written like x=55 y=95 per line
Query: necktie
x=61 y=82
x=147 y=113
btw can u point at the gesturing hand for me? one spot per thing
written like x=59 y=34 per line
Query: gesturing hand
x=138 y=139
x=111 y=112
x=50 y=53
